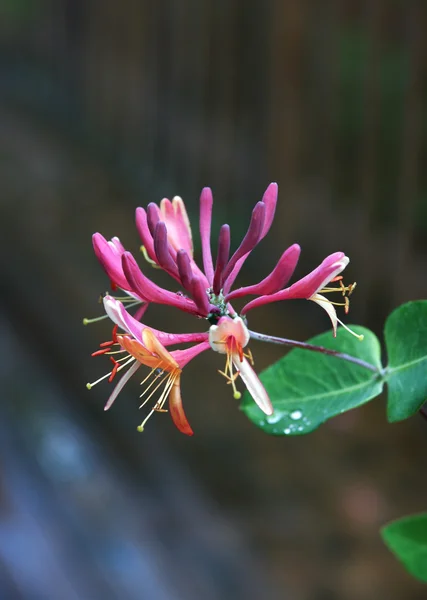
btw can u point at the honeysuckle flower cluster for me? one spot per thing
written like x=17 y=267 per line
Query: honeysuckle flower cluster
x=206 y=293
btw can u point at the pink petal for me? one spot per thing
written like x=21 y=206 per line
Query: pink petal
x=178 y=224
x=153 y=216
x=253 y=384
x=200 y=297
x=120 y=316
x=226 y=328
x=206 y=202
x=278 y=278
x=223 y=254
x=144 y=232
x=184 y=269
x=232 y=277
x=117 y=246
x=109 y=255
x=161 y=248
x=114 y=310
x=141 y=311
x=270 y=201
x=308 y=285
x=312 y=283
x=149 y=291
x=249 y=241
x=183 y=357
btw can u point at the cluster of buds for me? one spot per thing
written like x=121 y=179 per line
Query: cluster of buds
x=206 y=293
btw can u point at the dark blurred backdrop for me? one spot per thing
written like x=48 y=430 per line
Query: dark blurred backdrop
x=108 y=105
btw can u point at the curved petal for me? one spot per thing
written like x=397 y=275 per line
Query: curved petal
x=228 y=328
x=183 y=357
x=330 y=309
x=120 y=316
x=161 y=248
x=250 y=240
x=206 y=202
x=177 y=222
x=309 y=285
x=253 y=384
x=114 y=310
x=109 y=255
x=151 y=342
x=270 y=201
x=177 y=410
x=151 y=292
x=277 y=279
x=121 y=384
x=140 y=353
x=144 y=232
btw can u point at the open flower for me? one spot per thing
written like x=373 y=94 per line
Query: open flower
x=206 y=293
x=141 y=345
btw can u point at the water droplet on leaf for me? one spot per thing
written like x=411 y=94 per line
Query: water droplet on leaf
x=274 y=418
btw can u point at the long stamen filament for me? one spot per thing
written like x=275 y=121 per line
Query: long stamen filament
x=148 y=259
x=95 y=320
x=358 y=336
x=124 y=299
x=158 y=407
x=131 y=359
x=230 y=376
x=149 y=375
x=160 y=383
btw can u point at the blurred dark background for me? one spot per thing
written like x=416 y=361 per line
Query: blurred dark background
x=107 y=105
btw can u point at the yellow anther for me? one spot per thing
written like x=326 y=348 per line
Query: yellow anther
x=249 y=356
x=87 y=321
x=230 y=375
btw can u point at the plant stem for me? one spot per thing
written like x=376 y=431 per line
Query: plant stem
x=423 y=411
x=262 y=337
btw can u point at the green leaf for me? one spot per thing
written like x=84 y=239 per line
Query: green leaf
x=406 y=341
x=407 y=539
x=308 y=388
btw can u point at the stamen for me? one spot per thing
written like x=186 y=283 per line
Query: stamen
x=161 y=382
x=249 y=356
x=149 y=375
x=360 y=337
x=148 y=259
x=113 y=341
x=104 y=344
x=341 y=288
x=349 y=289
x=115 y=369
x=230 y=376
x=87 y=321
x=158 y=407
x=131 y=359
x=99 y=352
x=131 y=302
